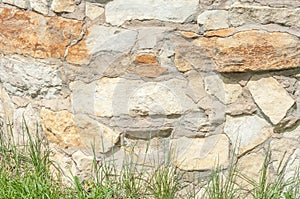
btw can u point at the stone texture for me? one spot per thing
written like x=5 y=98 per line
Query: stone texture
x=200 y=153
x=213 y=20
x=84 y=165
x=36 y=35
x=119 y=11
x=28 y=77
x=246 y=132
x=146 y=70
x=18 y=3
x=251 y=166
x=181 y=64
x=245 y=14
x=94 y=134
x=269 y=95
x=253 y=51
x=40 y=6
x=279 y=3
x=282 y=149
x=93 y=11
x=60 y=128
x=101 y=38
x=63 y=5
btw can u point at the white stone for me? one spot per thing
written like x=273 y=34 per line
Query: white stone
x=154 y=99
x=200 y=153
x=40 y=6
x=63 y=5
x=18 y=3
x=93 y=11
x=213 y=19
x=271 y=97
x=246 y=132
x=25 y=76
x=232 y=92
x=119 y=11
x=101 y=38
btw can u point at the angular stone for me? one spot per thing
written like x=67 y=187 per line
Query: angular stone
x=145 y=59
x=40 y=6
x=245 y=14
x=250 y=165
x=244 y=104
x=293 y=165
x=101 y=38
x=84 y=165
x=269 y=95
x=95 y=135
x=148 y=38
x=279 y=3
x=189 y=35
x=63 y=5
x=93 y=11
x=25 y=116
x=246 y=132
x=36 y=35
x=282 y=149
x=232 y=92
x=119 y=11
x=213 y=20
x=18 y=3
x=28 y=77
x=181 y=64
x=253 y=51
x=60 y=128
x=200 y=153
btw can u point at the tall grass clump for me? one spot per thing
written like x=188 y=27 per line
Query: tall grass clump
x=25 y=169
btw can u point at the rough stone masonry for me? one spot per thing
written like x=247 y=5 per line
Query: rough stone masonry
x=197 y=78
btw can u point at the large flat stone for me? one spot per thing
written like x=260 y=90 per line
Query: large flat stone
x=246 y=132
x=213 y=20
x=28 y=77
x=253 y=50
x=118 y=11
x=244 y=14
x=271 y=97
x=101 y=38
x=36 y=35
x=200 y=153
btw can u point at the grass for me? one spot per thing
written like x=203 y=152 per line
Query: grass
x=25 y=172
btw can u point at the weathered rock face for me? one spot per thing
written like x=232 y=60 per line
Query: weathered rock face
x=253 y=51
x=192 y=79
x=32 y=34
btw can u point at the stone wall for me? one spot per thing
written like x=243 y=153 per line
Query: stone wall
x=193 y=78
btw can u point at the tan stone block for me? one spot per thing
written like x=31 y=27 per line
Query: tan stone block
x=60 y=128
x=253 y=50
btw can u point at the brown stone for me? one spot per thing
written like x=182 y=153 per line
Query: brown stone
x=189 y=35
x=149 y=70
x=33 y=34
x=145 y=59
x=220 y=33
x=78 y=54
x=253 y=51
x=60 y=128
